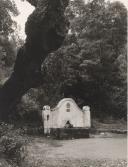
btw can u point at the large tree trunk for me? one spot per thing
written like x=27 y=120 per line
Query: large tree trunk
x=46 y=29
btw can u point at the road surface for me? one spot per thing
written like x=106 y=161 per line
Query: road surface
x=92 y=152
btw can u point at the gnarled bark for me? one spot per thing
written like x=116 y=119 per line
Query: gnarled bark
x=46 y=29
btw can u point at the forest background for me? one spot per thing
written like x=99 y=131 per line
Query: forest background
x=90 y=67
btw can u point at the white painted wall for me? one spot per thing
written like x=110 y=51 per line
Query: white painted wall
x=75 y=116
x=59 y=115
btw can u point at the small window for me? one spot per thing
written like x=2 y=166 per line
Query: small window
x=68 y=110
x=68 y=107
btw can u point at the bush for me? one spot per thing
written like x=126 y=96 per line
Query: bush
x=11 y=142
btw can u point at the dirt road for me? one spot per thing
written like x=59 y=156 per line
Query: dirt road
x=93 y=152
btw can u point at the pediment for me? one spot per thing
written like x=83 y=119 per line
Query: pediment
x=67 y=100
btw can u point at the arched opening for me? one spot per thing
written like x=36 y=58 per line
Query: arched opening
x=68 y=107
x=68 y=125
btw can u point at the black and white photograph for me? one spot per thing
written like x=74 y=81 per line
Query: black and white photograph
x=63 y=83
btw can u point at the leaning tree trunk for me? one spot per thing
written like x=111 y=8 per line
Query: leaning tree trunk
x=46 y=29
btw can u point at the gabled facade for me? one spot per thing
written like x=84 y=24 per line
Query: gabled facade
x=66 y=114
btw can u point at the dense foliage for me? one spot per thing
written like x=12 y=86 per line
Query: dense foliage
x=7 y=36
x=45 y=30
x=6 y=22
x=91 y=65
